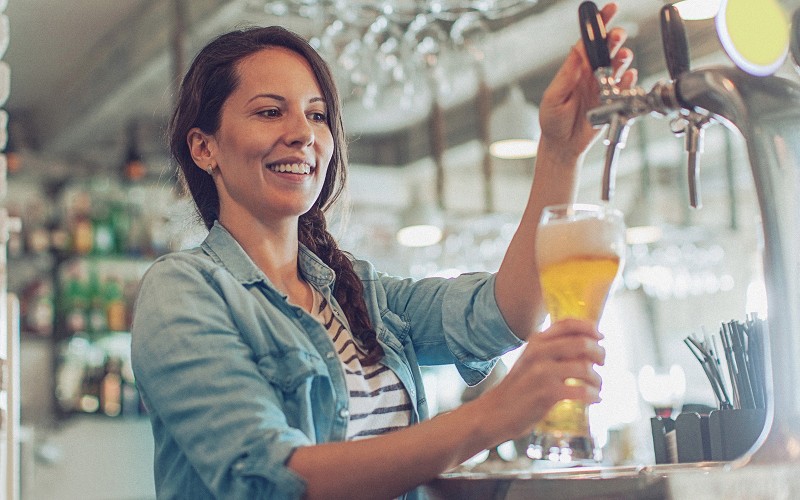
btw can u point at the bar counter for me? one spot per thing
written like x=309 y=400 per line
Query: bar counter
x=697 y=481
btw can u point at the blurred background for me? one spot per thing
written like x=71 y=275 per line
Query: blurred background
x=428 y=88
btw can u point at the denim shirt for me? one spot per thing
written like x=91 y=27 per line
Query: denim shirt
x=236 y=377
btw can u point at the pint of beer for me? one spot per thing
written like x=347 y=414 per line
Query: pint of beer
x=579 y=252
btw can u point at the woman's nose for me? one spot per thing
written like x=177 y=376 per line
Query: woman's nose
x=299 y=131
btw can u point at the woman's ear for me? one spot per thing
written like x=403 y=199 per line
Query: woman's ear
x=201 y=147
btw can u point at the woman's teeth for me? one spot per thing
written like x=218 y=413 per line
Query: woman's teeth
x=295 y=168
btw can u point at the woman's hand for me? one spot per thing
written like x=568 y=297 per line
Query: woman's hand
x=574 y=90
x=568 y=349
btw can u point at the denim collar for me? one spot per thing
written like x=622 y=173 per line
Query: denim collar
x=223 y=249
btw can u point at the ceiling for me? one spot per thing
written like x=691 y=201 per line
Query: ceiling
x=84 y=71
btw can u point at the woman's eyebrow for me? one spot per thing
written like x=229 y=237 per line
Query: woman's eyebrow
x=283 y=99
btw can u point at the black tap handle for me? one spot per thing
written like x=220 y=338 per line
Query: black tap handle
x=795 y=39
x=593 y=32
x=673 y=38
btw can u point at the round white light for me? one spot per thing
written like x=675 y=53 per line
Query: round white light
x=421 y=235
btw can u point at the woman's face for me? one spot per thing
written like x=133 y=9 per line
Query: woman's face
x=273 y=145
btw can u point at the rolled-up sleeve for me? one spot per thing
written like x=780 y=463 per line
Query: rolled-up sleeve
x=210 y=404
x=455 y=320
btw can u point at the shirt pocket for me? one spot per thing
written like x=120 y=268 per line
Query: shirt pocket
x=393 y=329
x=291 y=369
x=302 y=390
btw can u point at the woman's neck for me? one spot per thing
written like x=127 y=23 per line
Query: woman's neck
x=273 y=248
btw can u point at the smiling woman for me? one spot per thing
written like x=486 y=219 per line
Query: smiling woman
x=236 y=343
x=267 y=355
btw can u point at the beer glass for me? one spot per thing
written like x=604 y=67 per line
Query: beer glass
x=579 y=252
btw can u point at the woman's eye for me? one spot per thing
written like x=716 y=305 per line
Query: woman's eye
x=271 y=113
x=319 y=116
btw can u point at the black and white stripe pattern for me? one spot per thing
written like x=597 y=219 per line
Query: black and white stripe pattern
x=378 y=401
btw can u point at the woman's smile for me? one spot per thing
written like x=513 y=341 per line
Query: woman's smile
x=291 y=168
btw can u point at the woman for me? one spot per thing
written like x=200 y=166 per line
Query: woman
x=267 y=354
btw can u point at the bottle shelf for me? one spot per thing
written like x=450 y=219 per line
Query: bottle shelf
x=85 y=244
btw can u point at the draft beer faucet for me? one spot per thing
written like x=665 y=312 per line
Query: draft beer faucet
x=689 y=123
x=620 y=107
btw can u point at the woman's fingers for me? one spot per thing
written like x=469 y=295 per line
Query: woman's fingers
x=615 y=39
x=566 y=340
x=621 y=56
x=580 y=370
x=566 y=380
x=586 y=393
x=628 y=78
x=568 y=348
x=572 y=327
x=608 y=11
x=564 y=374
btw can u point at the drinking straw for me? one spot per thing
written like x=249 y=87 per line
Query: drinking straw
x=737 y=336
x=731 y=363
x=701 y=353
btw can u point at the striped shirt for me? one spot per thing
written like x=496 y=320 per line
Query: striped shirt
x=378 y=401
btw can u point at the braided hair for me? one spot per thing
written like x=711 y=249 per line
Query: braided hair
x=211 y=78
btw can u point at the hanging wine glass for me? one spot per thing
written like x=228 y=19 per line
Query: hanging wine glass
x=504 y=9
x=383 y=41
x=451 y=10
x=469 y=33
x=426 y=40
x=402 y=12
x=356 y=62
x=278 y=8
x=358 y=14
x=314 y=9
x=339 y=45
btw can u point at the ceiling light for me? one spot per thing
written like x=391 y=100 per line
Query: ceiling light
x=419 y=235
x=643 y=235
x=514 y=127
x=695 y=10
x=420 y=224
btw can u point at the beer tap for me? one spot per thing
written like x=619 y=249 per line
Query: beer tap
x=618 y=107
x=612 y=109
x=690 y=124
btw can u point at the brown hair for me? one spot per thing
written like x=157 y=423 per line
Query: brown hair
x=211 y=78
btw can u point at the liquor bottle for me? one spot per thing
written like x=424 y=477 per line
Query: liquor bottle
x=131 y=399
x=111 y=388
x=75 y=306
x=82 y=235
x=94 y=373
x=96 y=314
x=81 y=229
x=103 y=238
x=120 y=221
x=116 y=309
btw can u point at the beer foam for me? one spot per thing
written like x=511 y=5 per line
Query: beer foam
x=560 y=240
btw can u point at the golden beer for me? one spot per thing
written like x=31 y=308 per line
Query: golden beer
x=578 y=287
x=579 y=252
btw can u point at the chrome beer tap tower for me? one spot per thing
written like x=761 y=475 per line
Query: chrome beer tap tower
x=765 y=110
